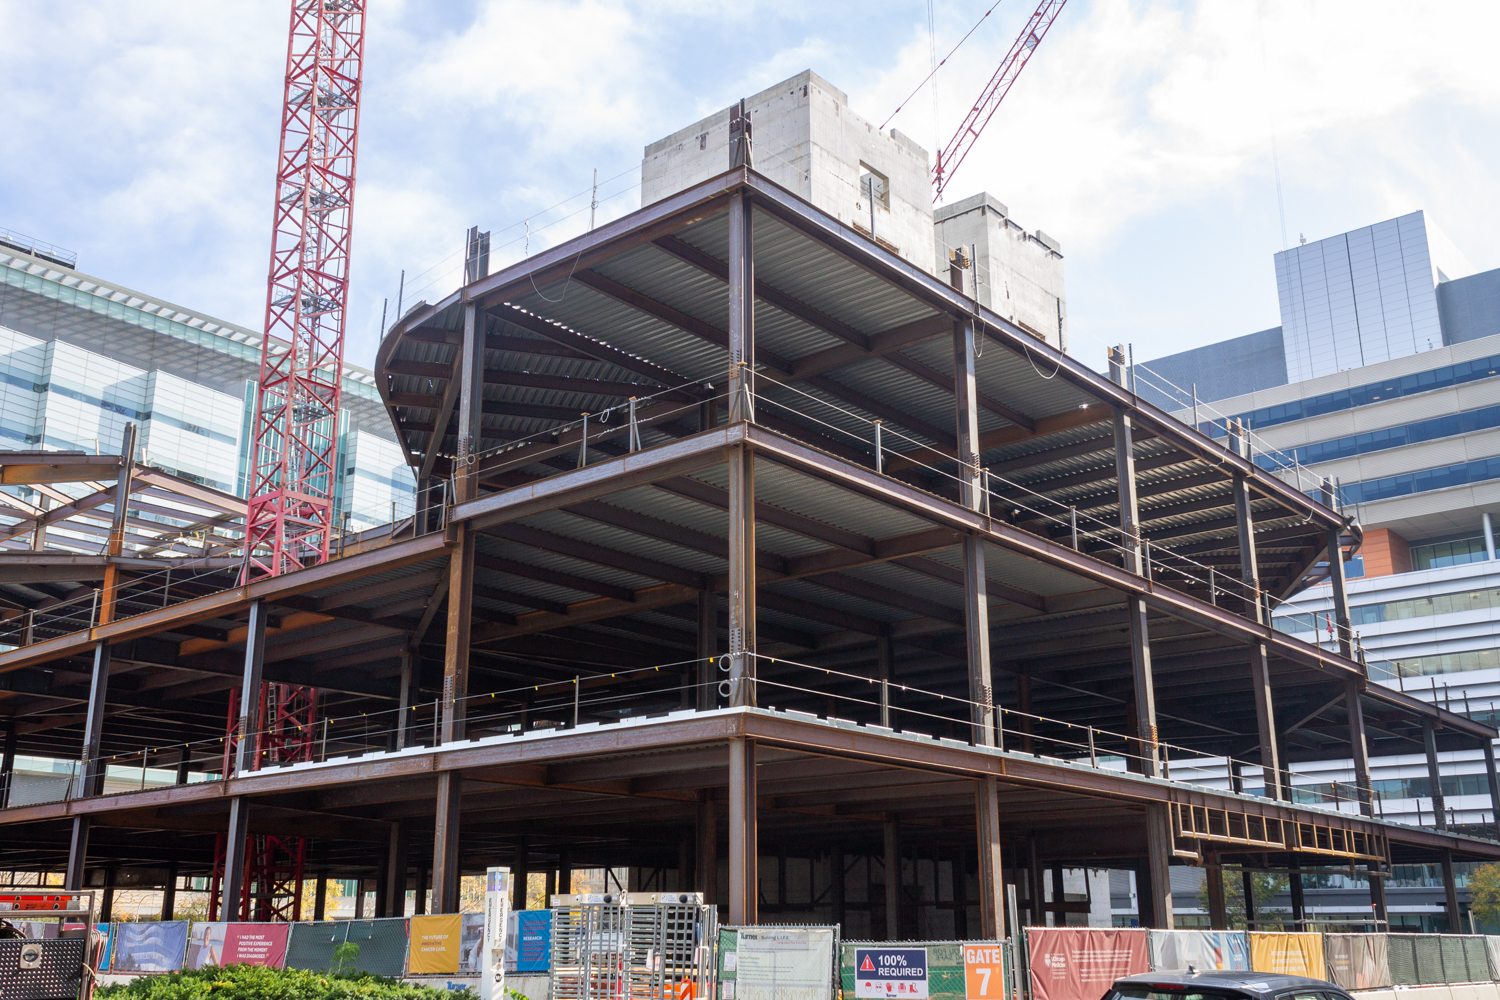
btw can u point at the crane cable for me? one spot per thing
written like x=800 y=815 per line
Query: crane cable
x=939 y=65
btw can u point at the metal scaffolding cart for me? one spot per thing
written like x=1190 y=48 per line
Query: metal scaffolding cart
x=639 y=945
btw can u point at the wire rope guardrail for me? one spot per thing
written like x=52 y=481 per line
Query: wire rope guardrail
x=185 y=578
x=1080 y=529
x=655 y=691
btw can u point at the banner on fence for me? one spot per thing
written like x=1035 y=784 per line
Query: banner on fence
x=1492 y=950
x=105 y=938
x=154 y=946
x=890 y=972
x=1358 y=961
x=528 y=941
x=1203 y=950
x=256 y=944
x=1290 y=954
x=470 y=944
x=1080 y=963
x=206 y=945
x=435 y=945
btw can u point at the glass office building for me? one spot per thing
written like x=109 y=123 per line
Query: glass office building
x=1365 y=296
x=81 y=357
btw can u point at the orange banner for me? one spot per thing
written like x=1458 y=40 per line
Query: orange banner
x=1080 y=963
x=434 y=945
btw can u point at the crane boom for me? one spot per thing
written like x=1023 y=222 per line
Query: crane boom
x=295 y=432
x=952 y=155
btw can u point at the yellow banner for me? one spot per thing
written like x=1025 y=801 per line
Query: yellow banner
x=434 y=945
x=1288 y=954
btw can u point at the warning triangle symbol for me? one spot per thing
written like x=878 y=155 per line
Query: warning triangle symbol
x=867 y=965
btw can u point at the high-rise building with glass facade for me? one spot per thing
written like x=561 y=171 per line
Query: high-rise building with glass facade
x=1365 y=296
x=80 y=357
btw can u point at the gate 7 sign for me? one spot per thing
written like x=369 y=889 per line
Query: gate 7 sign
x=890 y=972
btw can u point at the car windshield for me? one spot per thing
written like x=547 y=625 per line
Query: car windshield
x=1160 y=991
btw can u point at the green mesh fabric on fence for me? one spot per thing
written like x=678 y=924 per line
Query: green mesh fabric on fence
x=382 y=945
x=1477 y=956
x=311 y=945
x=1429 y=951
x=945 y=966
x=1403 y=959
x=1455 y=965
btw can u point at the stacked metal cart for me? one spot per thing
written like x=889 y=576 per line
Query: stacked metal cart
x=632 y=946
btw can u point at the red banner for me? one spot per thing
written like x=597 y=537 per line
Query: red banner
x=255 y=944
x=1080 y=963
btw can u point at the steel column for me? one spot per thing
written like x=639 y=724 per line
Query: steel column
x=991 y=876
x=1345 y=629
x=1260 y=668
x=470 y=406
x=892 y=862
x=78 y=850
x=1130 y=517
x=1247 y=884
x=1218 y=916
x=708 y=648
x=1377 y=901
x=1144 y=687
x=1145 y=899
x=742 y=640
x=320 y=904
x=8 y=761
x=1434 y=775
x=885 y=672
x=115 y=546
x=91 y=772
x=445 y=844
x=232 y=887
x=1360 y=749
x=1450 y=893
x=1494 y=782
x=744 y=880
x=403 y=708
x=520 y=873
x=395 y=872
x=245 y=757
x=1158 y=862
x=169 y=892
x=707 y=860
x=456 y=645
x=1036 y=899
x=1299 y=901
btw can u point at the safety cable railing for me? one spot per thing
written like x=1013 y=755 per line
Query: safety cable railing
x=1079 y=529
x=592 y=429
x=186 y=578
x=776 y=683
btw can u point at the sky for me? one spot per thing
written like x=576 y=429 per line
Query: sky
x=1171 y=147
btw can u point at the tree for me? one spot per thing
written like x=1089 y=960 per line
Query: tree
x=1484 y=893
x=1265 y=885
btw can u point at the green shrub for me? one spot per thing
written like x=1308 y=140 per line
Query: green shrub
x=251 y=982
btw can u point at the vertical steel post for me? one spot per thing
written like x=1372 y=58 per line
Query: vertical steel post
x=247 y=725
x=879 y=449
x=91 y=770
x=115 y=547
x=1299 y=902
x=744 y=879
x=1450 y=892
x=169 y=892
x=708 y=649
x=1494 y=783
x=1247 y=880
x=1218 y=916
x=706 y=878
x=1359 y=746
x=1130 y=534
x=8 y=761
x=445 y=843
x=1260 y=668
x=520 y=872
x=892 y=880
x=232 y=888
x=78 y=849
x=1434 y=775
x=403 y=708
x=395 y=872
x=1345 y=629
x=742 y=640
x=885 y=664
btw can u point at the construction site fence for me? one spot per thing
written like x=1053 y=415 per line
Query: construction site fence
x=438 y=944
x=953 y=970
x=1080 y=963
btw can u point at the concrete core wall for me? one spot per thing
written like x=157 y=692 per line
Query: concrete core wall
x=1020 y=272
x=807 y=139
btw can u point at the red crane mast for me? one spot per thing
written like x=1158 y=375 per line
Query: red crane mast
x=295 y=433
x=952 y=155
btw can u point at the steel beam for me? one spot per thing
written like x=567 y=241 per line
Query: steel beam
x=1450 y=892
x=395 y=872
x=744 y=880
x=972 y=495
x=706 y=672
x=78 y=850
x=1339 y=584
x=892 y=880
x=470 y=372
x=245 y=757
x=991 y=877
x=232 y=886
x=460 y=627
x=1218 y=916
x=115 y=546
x=91 y=770
x=707 y=859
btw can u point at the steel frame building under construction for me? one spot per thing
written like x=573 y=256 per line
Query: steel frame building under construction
x=747 y=541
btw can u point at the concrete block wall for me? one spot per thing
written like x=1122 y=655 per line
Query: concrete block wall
x=1020 y=272
x=807 y=139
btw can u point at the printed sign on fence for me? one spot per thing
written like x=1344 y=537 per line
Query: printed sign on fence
x=1291 y=954
x=1358 y=961
x=256 y=944
x=1079 y=963
x=206 y=945
x=471 y=944
x=1202 y=950
x=890 y=972
x=151 y=946
x=528 y=943
x=784 y=963
x=435 y=945
x=984 y=971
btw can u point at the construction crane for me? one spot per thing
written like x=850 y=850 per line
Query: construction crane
x=951 y=156
x=294 y=438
